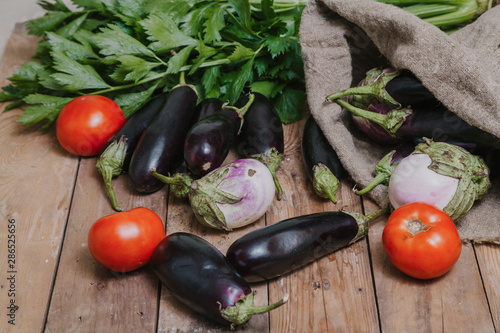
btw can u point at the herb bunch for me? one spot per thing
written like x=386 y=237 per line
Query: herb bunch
x=130 y=50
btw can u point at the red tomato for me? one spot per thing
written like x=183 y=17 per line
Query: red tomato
x=125 y=241
x=87 y=122
x=421 y=240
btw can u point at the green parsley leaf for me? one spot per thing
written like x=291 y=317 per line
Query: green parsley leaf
x=132 y=101
x=48 y=22
x=289 y=104
x=179 y=59
x=113 y=41
x=42 y=108
x=132 y=68
x=73 y=50
x=75 y=76
x=164 y=34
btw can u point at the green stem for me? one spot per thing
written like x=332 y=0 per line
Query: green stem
x=272 y=159
x=181 y=183
x=390 y=121
x=463 y=14
x=378 y=179
x=430 y=10
x=366 y=221
x=241 y=111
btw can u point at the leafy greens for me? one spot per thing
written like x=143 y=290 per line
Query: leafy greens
x=130 y=50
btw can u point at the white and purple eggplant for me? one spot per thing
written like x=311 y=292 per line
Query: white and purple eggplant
x=231 y=196
x=441 y=174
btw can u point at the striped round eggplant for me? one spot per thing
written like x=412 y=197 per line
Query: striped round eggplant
x=261 y=135
x=231 y=196
x=116 y=157
x=208 y=141
x=285 y=246
x=323 y=166
x=199 y=275
x=160 y=146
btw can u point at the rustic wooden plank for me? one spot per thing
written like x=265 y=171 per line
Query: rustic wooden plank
x=88 y=297
x=455 y=302
x=175 y=316
x=325 y=295
x=36 y=182
x=488 y=258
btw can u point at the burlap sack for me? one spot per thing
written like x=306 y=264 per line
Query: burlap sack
x=342 y=39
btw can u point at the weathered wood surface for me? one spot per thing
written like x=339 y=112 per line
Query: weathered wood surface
x=51 y=198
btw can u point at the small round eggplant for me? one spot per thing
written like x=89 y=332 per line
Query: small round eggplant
x=261 y=135
x=441 y=174
x=229 y=197
x=116 y=157
x=160 y=146
x=199 y=275
x=323 y=166
x=209 y=140
x=283 y=247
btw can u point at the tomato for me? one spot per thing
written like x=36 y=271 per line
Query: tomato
x=421 y=240
x=87 y=122
x=125 y=241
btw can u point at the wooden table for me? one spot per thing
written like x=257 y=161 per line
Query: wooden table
x=49 y=199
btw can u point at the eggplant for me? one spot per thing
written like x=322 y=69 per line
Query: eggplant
x=290 y=244
x=206 y=107
x=208 y=141
x=115 y=159
x=441 y=174
x=199 y=275
x=160 y=146
x=322 y=163
x=231 y=196
x=261 y=135
x=385 y=167
x=391 y=87
x=437 y=123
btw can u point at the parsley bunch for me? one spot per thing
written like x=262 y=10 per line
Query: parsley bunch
x=130 y=50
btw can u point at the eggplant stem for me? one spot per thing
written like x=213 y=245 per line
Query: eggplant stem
x=390 y=121
x=325 y=183
x=181 y=182
x=241 y=111
x=378 y=179
x=272 y=160
x=110 y=165
x=366 y=221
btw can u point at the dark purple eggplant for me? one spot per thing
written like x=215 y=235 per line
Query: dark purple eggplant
x=385 y=167
x=283 y=247
x=209 y=140
x=116 y=157
x=322 y=163
x=261 y=135
x=394 y=88
x=437 y=123
x=161 y=144
x=199 y=275
x=206 y=107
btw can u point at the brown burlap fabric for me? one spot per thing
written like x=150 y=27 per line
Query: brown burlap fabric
x=342 y=39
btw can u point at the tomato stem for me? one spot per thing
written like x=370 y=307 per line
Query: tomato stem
x=415 y=226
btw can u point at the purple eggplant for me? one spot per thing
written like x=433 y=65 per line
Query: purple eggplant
x=290 y=244
x=161 y=144
x=208 y=141
x=206 y=107
x=231 y=196
x=391 y=87
x=116 y=157
x=322 y=163
x=261 y=135
x=199 y=275
x=437 y=123
x=385 y=167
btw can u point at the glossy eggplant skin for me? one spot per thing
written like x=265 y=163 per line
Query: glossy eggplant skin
x=282 y=247
x=160 y=146
x=198 y=274
x=440 y=124
x=209 y=140
x=316 y=149
x=206 y=107
x=262 y=128
x=136 y=125
x=408 y=90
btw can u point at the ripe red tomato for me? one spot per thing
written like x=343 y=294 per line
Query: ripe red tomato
x=125 y=241
x=87 y=122
x=421 y=240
